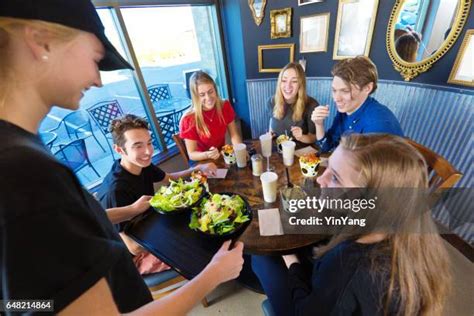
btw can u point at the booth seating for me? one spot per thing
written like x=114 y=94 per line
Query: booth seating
x=437 y=117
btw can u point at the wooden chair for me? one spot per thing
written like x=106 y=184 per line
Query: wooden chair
x=441 y=173
x=181 y=147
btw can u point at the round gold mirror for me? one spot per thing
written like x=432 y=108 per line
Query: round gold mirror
x=420 y=32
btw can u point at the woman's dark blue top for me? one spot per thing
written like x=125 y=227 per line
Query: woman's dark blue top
x=347 y=280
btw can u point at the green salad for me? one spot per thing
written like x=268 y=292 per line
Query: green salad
x=178 y=194
x=219 y=214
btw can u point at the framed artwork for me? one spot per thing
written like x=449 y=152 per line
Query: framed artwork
x=280 y=23
x=354 y=28
x=463 y=69
x=314 y=33
x=305 y=2
x=272 y=58
x=257 y=7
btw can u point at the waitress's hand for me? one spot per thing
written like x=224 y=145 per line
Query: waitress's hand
x=212 y=153
x=226 y=263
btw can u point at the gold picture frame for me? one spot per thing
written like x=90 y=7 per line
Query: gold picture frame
x=305 y=2
x=280 y=23
x=354 y=28
x=463 y=69
x=258 y=10
x=314 y=33
x=275 y=68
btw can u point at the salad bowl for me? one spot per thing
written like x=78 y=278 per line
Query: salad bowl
x=178 y=197
x=223 y=215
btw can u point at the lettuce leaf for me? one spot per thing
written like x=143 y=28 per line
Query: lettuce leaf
x=178 y=194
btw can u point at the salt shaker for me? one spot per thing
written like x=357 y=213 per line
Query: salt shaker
x=257 y=164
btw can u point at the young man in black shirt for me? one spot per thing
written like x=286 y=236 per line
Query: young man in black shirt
x=133 y=176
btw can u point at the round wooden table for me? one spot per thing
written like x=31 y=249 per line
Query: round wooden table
x=241 y=181
x=169 y=238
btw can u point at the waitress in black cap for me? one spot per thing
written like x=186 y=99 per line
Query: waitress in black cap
x=56 y=241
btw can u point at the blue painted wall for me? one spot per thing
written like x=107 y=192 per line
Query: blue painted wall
x=233 y=38
x=428 y=98
x=320 y=64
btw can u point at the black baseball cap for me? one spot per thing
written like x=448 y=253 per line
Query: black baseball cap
x=78 y=14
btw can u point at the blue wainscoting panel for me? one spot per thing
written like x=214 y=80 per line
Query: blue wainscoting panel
x=438 y=117
x=258 y=93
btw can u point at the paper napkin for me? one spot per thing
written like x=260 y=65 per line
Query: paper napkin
x=220 y=174
x=269 y=222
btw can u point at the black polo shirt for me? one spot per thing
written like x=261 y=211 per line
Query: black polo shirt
x=57 y=241
x=122 y=188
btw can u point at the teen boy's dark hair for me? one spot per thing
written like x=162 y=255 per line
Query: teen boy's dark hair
x=119 y=126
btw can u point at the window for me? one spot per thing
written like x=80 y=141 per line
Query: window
x=170 y=43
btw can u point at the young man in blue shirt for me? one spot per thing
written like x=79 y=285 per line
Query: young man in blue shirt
x=355 y=79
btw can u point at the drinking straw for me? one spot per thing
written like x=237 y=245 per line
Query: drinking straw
x=289 y=184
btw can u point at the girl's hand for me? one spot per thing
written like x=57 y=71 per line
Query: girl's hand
x=297 y=132
x=212 y=153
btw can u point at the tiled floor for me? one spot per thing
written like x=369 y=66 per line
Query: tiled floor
x=231 y=299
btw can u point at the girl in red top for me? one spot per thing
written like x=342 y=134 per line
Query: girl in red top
x=203 y=128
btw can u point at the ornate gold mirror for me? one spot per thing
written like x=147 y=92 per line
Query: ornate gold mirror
x=258 y=10
x=420 y=32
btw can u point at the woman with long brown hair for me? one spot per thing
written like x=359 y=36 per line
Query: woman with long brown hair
x=382 y=270
x=204 y=127
x=291 y=106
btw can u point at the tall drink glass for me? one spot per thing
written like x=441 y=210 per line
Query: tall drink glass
x=269 y=186
x=288 y=148
x=266 y=144
x=240 y=151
